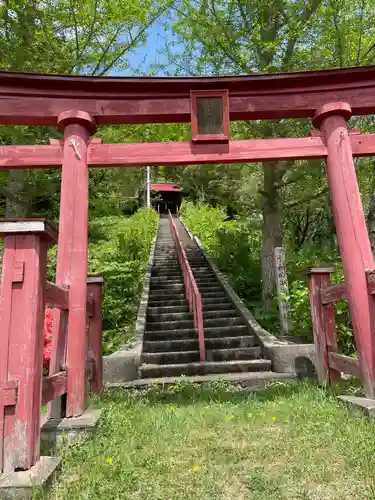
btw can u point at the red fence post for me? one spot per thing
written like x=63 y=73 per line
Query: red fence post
x=72 y=258
x=351 y=231
x=21 y=340
x=95 y=290
x=323 y=321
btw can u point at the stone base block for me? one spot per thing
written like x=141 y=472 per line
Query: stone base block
x=292 y=358
x=363 y=404
x=57 y=431
x=123 y=365
x=22 y=485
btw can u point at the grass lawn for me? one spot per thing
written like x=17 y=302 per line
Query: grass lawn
x=289 y=442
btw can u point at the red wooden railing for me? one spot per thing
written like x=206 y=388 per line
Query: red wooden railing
x=329 y=362
x=191 y=288
x=24 y=295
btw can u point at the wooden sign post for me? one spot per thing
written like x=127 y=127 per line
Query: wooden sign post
x=282 y=291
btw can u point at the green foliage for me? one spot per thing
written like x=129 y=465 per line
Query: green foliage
x=234 y=245
x=119 y=249
x=70 y=36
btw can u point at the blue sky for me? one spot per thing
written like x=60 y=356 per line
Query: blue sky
x=153 y=53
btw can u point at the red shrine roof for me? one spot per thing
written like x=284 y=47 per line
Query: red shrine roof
x=166 y=187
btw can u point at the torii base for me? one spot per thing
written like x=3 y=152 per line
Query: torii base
x=23 y=485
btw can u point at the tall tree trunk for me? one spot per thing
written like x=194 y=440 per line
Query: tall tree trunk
x=272 y=228
x=15 y=206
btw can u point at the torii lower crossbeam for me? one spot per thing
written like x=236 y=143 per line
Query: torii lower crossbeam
x=181 y=153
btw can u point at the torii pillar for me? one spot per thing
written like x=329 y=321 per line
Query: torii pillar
x=72 y=257
x=352 y=235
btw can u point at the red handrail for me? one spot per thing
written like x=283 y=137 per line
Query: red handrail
x=192 y=293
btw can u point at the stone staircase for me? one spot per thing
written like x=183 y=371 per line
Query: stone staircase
x=170 y=346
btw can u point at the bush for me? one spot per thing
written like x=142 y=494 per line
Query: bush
x=121 y=254
x=234 y=245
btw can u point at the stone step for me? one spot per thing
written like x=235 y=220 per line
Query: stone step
x=166 y=269
x=163 y=302
x=193 y=356
x=215 y=299
x=207 y=308
x=165 y=257
x=167 y=278
x=213 y=294
x=204 y=368
x=210 y=287
x=202 y=270
x=249 y=381
x=169 y=325
x=218 y=306
x=191 y=333
x=167 y=286
x=170 y=357
x=230 y=354
x=166 y=263
x=167 y=294
x=185 y=314
x=175 y=265
x=156 y=311
x=162 y=278
x=173 y=316
x=227 y=321
x=192 y=344
x=175 y=276
x=206 y=280
x=163 y=286
x=186 y=322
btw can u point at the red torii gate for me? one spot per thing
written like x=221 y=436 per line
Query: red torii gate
x=76 y=105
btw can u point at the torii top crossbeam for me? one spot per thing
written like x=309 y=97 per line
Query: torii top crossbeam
x=34 y=99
